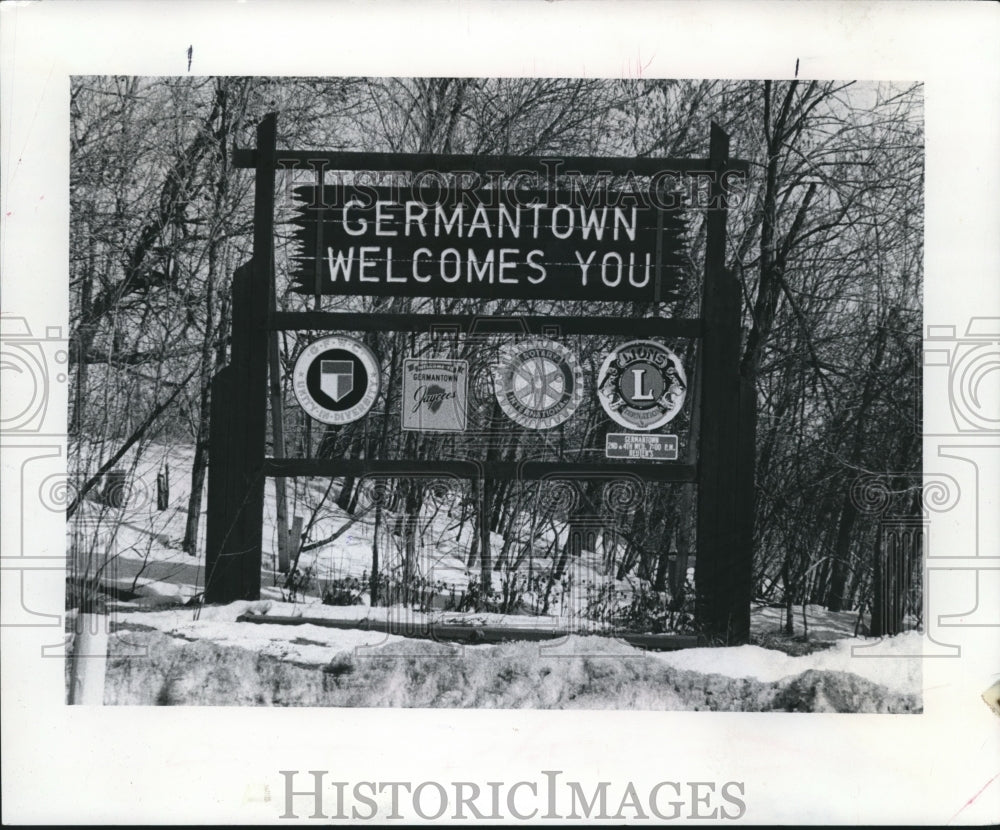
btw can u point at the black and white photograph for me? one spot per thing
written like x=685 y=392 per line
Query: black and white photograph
x=496 y=392
x=447 y=415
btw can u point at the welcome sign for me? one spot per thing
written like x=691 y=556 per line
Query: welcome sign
x=514 y=244
x=617 y=242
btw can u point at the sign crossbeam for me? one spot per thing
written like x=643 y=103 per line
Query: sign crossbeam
x=497 y=470
x=549 y=325
x=557 y=165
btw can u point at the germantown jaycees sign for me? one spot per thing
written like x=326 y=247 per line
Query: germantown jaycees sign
x=487 y=243
x=336 y=380
x=435 y=395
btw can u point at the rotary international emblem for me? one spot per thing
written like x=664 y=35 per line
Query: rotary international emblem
x=538 y=383
x=641 y=385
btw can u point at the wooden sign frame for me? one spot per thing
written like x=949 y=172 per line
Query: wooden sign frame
x=723 y=432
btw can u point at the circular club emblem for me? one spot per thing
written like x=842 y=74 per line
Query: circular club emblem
x=641 y=385
x=336 y=380
x=538 y=383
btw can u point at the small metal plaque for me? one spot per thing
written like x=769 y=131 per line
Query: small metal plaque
x=644 y=447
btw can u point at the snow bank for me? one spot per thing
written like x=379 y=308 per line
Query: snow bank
x=892 y=668
x=584 y=673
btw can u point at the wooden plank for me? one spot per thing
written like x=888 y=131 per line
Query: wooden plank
x=495 y=470
x=490 y=165
x=469 y=323
x=476 y=634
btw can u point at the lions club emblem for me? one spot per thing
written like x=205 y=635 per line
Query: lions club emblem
x=641 y=385
x=538 y=383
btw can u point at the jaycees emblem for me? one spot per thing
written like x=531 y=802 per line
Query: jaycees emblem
x=538 y=383
x=641 y=385
x=435 y=395
x=336 y=380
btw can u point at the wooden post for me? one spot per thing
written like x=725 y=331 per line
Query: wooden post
x=239 y=407
x=722 y=607
x=163 y=488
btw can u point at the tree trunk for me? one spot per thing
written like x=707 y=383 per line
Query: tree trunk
x=346 y=491
x=82 y=337
x=841 y=552
x=209 y=365
x=877 y=627
x=375 y=556
x=678 y=576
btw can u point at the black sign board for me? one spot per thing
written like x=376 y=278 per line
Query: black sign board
x=499 y=244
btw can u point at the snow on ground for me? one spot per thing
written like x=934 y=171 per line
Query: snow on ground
x=901 y=674
x=140 y=546
x=823 y=625
x=137 y=550
x=315 y=645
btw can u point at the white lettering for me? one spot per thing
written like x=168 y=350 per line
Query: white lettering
x=633 y=280
x=480 y=272
x=604 y=269
x=539 y=267
x=340 y=265
x=362 y=223
x=388 y=268
x=381 y=217
x=584 y=265
x=569 y=224
x=621 y=221
x=589 y=222
x=638 y=381
x=505 y=266
x=413 y=218
x=441 y=218
x=513 y=222
x=480 y=221
x=451 y=253
x=416 y=261
x=364 y=264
